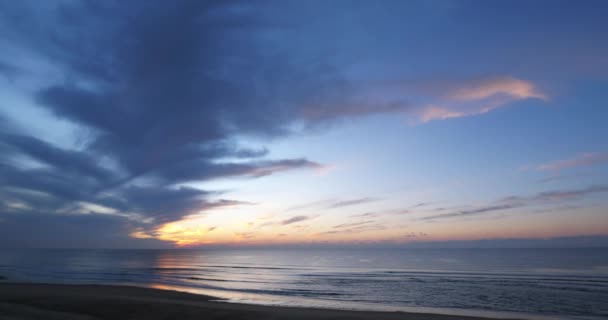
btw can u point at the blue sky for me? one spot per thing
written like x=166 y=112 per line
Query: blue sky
x=151 y=124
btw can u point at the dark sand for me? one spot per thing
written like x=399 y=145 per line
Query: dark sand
x=80 y=302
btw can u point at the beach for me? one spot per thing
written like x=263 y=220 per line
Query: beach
x=87 y=302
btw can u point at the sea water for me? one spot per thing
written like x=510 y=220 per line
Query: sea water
x=521 y=283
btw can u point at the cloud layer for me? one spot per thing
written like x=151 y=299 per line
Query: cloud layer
x=162 y=91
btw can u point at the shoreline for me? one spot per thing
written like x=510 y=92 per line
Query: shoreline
x=87 y=302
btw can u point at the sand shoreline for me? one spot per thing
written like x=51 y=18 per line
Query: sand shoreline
x=89 y=302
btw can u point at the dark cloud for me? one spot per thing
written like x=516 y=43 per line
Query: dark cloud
x=164 y=204
x=163 y=91
x=44 y=230
x=46 y=181
x=68 y=161
x=196 y=170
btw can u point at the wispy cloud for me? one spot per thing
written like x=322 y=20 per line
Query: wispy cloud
x=296 y=219
x=455 y=99
x=512 y=202
x=386 y=212
x=564 y=177
x=271 y=167
x=475 y=211
x=333 y=203
x=436 y=99
x=486 y=88
x=421 y=204
x=365 y=215
x=435 y=112
x=309 y=205
x=245 y=235
x=570 y=194
x=354 y=224
x=556 y=195
x=558 y=208
x=352 y=202
x=580 y=160
x=355 y=229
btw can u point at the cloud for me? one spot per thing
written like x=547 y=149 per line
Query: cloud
x=365 y=215
x=350 y=109
x=333 y=203
x=434 y=112
x=580 y=160
x=350 y=225
x=564 y=177
x=569 y=194
x=512 y=202
x=476 y=211
x=296 y=219
x=245 y=235
x=62 y=159
x=552 y=242
x=556 y=195
x=427 y=100
x=558 y=208
x=355 y=229
x=351 y=202
x=165 y=205
x=164 y=93
x=421 y=204
x=469 y=97
x=43 y=230
x=164 y=105
x=513 y=88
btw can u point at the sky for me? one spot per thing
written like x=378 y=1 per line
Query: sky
x=156 y=124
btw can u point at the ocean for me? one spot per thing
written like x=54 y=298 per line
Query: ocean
x=502 y=283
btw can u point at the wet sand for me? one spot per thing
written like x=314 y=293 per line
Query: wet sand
x=88 y=302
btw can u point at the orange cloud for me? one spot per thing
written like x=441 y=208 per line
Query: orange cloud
x=183 y=235
x=514 y=88
x=474 y=97
x=438 y=113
